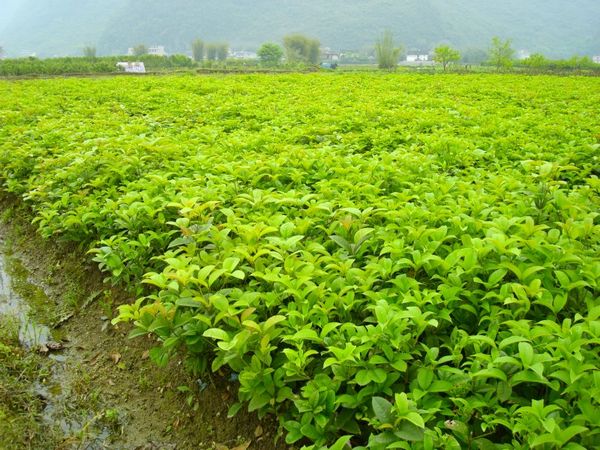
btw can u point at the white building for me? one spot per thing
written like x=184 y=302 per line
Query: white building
x=158 y=50
x=242 y=54
x=523 y=54
x=329 y=55
x=417 y=57
x=596 y=59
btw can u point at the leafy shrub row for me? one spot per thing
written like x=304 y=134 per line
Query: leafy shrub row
x=75 y=65
x=386 y=261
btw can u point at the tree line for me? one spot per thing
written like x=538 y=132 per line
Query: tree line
x=500 y=55
x=296 y=51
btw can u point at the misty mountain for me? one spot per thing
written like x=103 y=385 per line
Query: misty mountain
x=7 y=11
x=557 y=28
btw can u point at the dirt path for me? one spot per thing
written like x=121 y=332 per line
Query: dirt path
x=70 y=380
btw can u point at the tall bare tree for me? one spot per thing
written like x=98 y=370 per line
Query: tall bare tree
x=198 y=50
x=211 y=52
x=301 y=49
x=386 y=52
x=89 y=51
x=222 y=51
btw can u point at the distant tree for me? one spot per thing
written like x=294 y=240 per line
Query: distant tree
x=222 y=51
x=501 y=53
x=301 y=49
x=1 y=52
x=211 y=52
x=314 y=51
x=89 y=51
x=445 y=55
x=270 y=54
x=386 y=53
x=536 y=61
x=585 y=62
x=474 y=56
x=140 y=50
x=198 y=50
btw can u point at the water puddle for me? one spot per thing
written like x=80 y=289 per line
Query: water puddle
x=33 y=335
x=23 y=301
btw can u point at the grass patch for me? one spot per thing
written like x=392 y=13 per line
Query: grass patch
x=20 y=406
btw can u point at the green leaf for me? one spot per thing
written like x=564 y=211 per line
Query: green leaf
x=504 y=391
x=569 y=433
x=496 y=276
x=526 y=353
x=343 y=243
x=272 y=321
x=511 y=340
x=136 y=332
x=234 y=409
x=362 y=235
x=341 y=443
x=363 y=377
x=216 y=333
x=484 y=444
x=415 y=418
x=230 y=264
x=214 y=276
x=383 y=410
x=311 y=432
x=294 y=434
x=240 y=275
x=490 y=373
x=159 y=355
x=410 y=432
x=258 y=400
x=425 y=378
x=305 y=334
x=189 y=302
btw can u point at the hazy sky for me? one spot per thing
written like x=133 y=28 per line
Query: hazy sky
x=557 y=28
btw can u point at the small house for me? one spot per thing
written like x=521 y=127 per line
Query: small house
x=328 y=55
x=243 y=54
x=417 y=57
x=157 y=50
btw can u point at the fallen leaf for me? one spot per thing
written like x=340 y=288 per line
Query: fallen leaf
x=54 y=346
x=244 y=446
x=258 y=432
x=221 y=447
x=116 y=357
x=146 y=354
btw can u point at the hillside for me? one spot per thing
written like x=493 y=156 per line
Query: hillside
x=60 y=27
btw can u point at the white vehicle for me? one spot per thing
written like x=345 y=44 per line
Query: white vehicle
x=131 y=67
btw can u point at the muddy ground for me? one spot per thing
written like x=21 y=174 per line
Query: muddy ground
x=71 y=380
